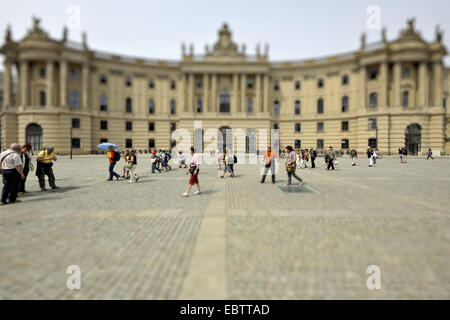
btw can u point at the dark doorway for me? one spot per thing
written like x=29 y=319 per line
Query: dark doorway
x=224 y=139
x=34 y=136
x=413 y=137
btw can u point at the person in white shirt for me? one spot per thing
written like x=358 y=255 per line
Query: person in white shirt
x=194 y=168
x=12 y=171
x=182 y=160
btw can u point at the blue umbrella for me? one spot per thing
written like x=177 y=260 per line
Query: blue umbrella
x=106 y=145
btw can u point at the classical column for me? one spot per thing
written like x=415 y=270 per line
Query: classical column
x=266 y=93
x=49 y=73
x=243 y=93
x=24 y=83
x=85 y=85
x=258 y=104
x=384 y=75
x=63 y=82
x=397 y=78
x=7 y=84
x=190 y=105
x=437 y=84
x=214 y=93
x=363 y=79
x=182 y=93
x=423 y=84
x=234 y=104
x=206 y=106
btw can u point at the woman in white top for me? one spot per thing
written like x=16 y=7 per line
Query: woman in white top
x=194 y=168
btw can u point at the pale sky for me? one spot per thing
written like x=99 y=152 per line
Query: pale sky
x=294 y=29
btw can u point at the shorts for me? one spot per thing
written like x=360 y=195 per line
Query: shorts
x=193 y=179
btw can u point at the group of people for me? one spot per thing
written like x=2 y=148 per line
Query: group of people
x=15 y=165
x=226 y=161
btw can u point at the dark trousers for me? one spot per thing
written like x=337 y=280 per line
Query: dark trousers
x=313 y=165
x=330 y=164
x=270 y=166
x=429 y=156
x=21 y=186
x=293 y=174
x=111 y=171
x=154 y=167
x=45 y=169
x=11 y=180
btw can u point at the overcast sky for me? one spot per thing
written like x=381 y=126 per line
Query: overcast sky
x=155 y=29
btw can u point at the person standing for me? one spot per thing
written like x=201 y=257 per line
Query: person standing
x=313 y=157
x=155 y=160
x=194 y=168
x=12 y=172
x=331 y=156
x=131 y=165
x=231 y=157
x=182 y=160
x=113 y=157
x=354 y=155
x=400 y=153
x=269 y=163
x=430 y=154
x=291 y=165
x=126 y=171
x=25 y=156
x=374 y=155
x=44 y=168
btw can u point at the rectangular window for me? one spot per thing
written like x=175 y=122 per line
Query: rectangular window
x=128 y=81
x=405 y=72
x=319 y=126
x=76 y=143
x=250 y=82
x=373 y=74
x=298 y=144
x=103 y=79
x=151 y=126
x=297 y=85
x=344 y=80
x=298 y=127
x=103 y=103
x=76 y=123
x=344 y=144
x=344 y=126
x=42 y=72
x=173 y=127
x=103 y=125
x=151 y=143
x=74 y=74
x=372 y=123
x=319 y=144
x=42 y=99
x=276 y=126
x=128 y=126
x=103 y=140
x=128 y=143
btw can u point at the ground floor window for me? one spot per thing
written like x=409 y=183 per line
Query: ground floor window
x=76 y=143
x=319 y=144
x=298 y=144
x=372 y=143
x=344 y=144
x=128 y=143
x=151 y=143
x=103 y=140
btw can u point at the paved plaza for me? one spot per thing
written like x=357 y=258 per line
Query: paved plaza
x=239 y=239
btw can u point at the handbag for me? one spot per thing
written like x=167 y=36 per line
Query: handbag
x=290 y=167
x=192 y=169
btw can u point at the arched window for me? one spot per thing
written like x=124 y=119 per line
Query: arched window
x=34 y=136
x=199 y=106
x=173 y=107
x=128 y=105
x=373 y=100
x=276 y=108
x=103 y=103
x=320 y=106
x=344 y=104
x=297 y=107
x=405 y=98
x=224 y=101
x=249 y=105
x=151 y=106
x=74 y=101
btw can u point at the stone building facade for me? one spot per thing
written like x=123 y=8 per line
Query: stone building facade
x=384 y=94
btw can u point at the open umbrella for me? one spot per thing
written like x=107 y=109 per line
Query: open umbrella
x=106 y=145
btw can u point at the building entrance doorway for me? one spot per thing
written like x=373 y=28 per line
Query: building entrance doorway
x=413 y=137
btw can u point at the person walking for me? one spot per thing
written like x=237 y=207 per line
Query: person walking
x=404 y=154
x=125 y=170
x=113 y=157
x=131 y=166
x=313 y=157
x=25 y=156
x=224 y=164
x=44 y=168
x=374 y=155
x=231 y=160
x=12 y=172
x=330 y=156
x=155 y=160
x=194 y=168
x=269 y=163
x=354 y=155
x=370 y=156
x=291 y=165
x=182 y=160
x=430 y=154
x=400 y=153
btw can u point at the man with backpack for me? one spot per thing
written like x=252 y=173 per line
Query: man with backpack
x=113 y=157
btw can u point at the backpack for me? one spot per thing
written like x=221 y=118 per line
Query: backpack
x=235 y=159
x=116 y=156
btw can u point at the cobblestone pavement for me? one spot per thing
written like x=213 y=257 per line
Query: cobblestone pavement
x=239 y=239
